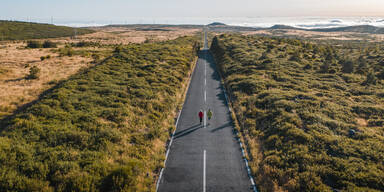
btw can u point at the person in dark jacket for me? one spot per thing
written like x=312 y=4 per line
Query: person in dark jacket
x=201 y=115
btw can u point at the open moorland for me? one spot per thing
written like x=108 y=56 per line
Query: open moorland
x=311 y=113
x=56 y=59
x=103 y=129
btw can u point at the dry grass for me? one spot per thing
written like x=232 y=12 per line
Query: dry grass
x=16 y=90
x=125 y=35
x=362 y=122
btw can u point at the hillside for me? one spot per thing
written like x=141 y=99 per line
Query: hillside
x=358 y=29
x=312 y=115
x=14 y=30
x=105 y=128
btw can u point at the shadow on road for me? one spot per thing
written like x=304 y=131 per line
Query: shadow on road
x=187 y=131
x=227 y=125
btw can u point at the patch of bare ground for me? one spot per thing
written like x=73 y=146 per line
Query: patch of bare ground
x=15 y=60
x=361 y=122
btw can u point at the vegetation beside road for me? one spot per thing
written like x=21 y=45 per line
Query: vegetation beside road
x=16 y=30
x=104 y=129
x=311 y=113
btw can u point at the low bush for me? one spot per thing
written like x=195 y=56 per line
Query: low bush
x=15 y=30
x=34 y=44
x=34 y=73
x=104 y=129
x=297 y=122
x=49 y=44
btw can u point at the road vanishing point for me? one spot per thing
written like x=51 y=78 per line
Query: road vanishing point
x=204 y=157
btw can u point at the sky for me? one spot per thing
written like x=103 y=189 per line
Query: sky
x=117 y=9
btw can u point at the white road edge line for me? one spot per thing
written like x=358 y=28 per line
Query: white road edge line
x=242 y=152
x=204 y=171
x=242 y=149
x=173 y=134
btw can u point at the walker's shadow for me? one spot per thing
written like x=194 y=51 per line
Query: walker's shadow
x=187 y=131
x=227 y=125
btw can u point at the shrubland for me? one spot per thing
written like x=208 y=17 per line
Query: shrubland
x=15 y=30
x=311 y=113
x=103 y=129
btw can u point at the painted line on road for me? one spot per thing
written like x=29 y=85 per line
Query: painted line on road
x=204 y=171
x=173 y=133
x=205 y=95
x=205 y=120
x=254 y=188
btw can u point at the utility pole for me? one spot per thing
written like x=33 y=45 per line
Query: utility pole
x=52 y=20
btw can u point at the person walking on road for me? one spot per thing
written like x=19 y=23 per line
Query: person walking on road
x=209 y=114
x=201 y=115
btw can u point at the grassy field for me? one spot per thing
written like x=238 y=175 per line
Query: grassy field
x=104 y=129
x=14 y=30
x=70 y=56
x=311 y=113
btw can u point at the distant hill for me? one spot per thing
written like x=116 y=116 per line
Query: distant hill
x=283 y=27
x=15 y=30
x=359 y=29
x=217 y=24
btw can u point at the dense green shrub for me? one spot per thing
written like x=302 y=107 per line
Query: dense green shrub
x=15 y=30
x=49 y=44
x=347 y=66
x=85 y=44
x=34 y=44
x=34 y=73
x=66 y=51
x=297 y=122
x=104 y=129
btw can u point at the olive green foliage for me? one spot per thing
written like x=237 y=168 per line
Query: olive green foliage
x=14 y=30
x=38 y=44
x=42 y=58
x=86 y=44
x=66 y=51
x=104 y=129
x=49 y=44
x=34 y=44
x=302 y=116
x=34 y=73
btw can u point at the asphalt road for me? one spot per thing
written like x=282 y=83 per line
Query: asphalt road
x=205 y=157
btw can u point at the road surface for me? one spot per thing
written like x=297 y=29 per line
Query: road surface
x=205 y=157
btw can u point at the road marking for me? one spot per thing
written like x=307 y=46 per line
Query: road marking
x=173 y=133
x=205 y=95
x=204 y=171
x=205 y=119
